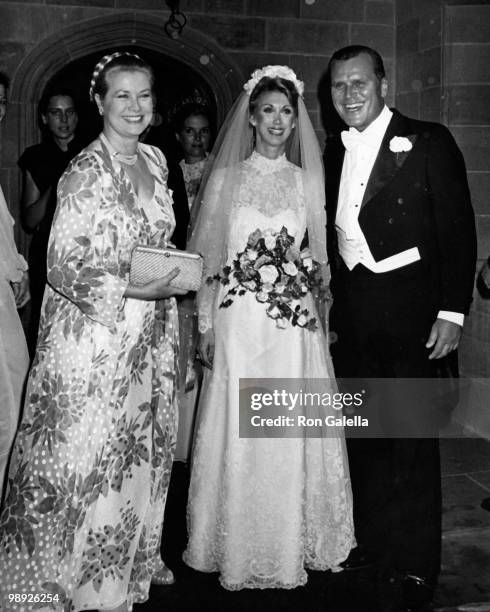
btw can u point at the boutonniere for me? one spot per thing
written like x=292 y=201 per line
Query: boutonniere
x=400 y=144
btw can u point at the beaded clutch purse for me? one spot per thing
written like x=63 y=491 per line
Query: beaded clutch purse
x=149 y=263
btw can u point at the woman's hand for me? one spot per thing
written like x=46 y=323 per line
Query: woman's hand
x=205 y=348
x=158 y=289
x=21 y=291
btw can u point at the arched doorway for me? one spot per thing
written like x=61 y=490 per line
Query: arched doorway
x=197 y=52
x=175 y=83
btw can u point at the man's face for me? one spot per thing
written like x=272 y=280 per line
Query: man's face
x=357 y=93
x=61 y=117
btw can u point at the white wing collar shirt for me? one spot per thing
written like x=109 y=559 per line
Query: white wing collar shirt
x=361 y=151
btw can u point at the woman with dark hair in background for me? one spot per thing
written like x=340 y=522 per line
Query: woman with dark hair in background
x=14 y=293
x=42 y=166
x=192 y=126
x=82 y=524
x=262 y=510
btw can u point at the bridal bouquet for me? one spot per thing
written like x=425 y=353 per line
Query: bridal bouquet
x=279 y=275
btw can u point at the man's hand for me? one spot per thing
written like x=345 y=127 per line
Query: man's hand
x=444 y=337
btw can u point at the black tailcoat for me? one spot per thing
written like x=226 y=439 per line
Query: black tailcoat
x=417 y=198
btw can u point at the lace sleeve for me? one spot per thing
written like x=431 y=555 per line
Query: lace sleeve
x=209 y=239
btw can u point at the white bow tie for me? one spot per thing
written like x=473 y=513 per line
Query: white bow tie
x=353 y=138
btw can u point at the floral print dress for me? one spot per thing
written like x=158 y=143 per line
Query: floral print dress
x=89 y=476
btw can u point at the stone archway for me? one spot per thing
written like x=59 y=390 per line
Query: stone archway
x=194 y=49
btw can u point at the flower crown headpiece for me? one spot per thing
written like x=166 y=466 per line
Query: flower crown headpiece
x=283 y=72
x=102 y=64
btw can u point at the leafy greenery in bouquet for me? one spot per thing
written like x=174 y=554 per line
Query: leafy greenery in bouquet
x=278 y=273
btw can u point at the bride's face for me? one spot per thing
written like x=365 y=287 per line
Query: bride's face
x=273 y=119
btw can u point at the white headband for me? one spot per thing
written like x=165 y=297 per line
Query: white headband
x=283 y=72
x=102 y=64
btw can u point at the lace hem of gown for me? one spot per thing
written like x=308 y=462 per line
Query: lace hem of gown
x=251 y=583
x=262 y=510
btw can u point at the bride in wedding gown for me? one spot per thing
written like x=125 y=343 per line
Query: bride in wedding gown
x=262 y=510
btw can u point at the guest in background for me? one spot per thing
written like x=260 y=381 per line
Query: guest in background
x=91 y=464
x=192 y=126
x=42 y=166
x=193 y=132
x=14 y=293
x=163 y=139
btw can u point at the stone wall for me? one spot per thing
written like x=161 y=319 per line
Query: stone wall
x=419 y=58
x=442 y=56
x=300 y=33
x=467 y=111
x=441 y=51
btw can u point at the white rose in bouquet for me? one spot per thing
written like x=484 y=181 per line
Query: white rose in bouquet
x=268 y=274
x=251 y=284
x=269 y=241
x=274 y=312
x=290 y=268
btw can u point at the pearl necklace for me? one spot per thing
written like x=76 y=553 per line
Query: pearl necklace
x=130 y=160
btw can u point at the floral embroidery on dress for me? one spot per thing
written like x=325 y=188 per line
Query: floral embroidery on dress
x=262 y=509
x=91 y=465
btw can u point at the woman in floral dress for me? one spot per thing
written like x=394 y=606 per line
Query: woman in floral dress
x=82 y=524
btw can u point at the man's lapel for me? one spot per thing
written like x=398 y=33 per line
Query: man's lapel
x=387 y=162
x=333 y=172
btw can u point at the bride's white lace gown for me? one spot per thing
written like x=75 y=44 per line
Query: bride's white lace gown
x=261 y=510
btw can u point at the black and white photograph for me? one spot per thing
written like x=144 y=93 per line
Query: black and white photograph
x=244 y=305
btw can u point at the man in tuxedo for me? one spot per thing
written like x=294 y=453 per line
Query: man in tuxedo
x=402 y=249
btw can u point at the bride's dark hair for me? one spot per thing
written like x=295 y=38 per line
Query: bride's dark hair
x=266 y=84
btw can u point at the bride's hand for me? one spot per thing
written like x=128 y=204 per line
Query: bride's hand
x=21 y=291
x=205 y=348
